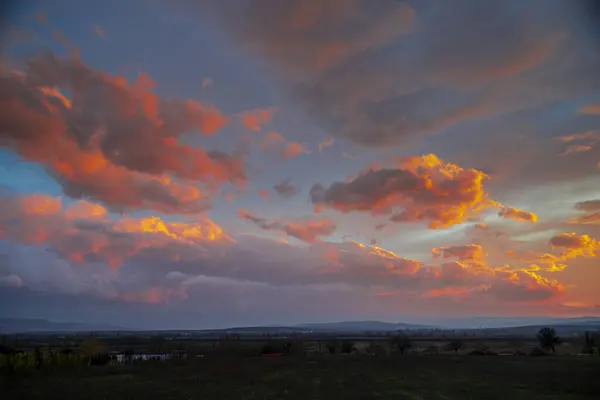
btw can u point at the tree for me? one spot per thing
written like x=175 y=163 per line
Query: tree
x=348 y=346
x=589 y=343
x=332 y=346
x=91 y=347
x=157 y=343
x=456 y=345
x=400 y=343
x=548 y=338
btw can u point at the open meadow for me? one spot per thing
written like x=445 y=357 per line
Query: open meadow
x=395 y=367
x=322 y=377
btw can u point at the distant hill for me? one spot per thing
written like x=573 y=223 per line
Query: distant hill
x=361 y=326
x=22 y=325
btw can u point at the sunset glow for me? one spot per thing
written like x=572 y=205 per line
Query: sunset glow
x=202 y=163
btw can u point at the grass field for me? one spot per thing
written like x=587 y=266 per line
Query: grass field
x=322 y=377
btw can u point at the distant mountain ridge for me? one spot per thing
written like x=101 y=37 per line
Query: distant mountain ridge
x=492 y=325
x=357 y=326
x=18 y=325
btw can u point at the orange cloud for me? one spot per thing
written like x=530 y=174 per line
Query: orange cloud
x=254 y=119
x=81 y=234
x=453 y=291
x=264 y=194
x=292 y=150
x=83 y=231
x=306 y=230
x=517 y=215
x=85 y=210
x=40 y=205
x=589 y=138
x=575 y=245
x=271 y=139
x=112 y=146
x=590 y=109
x=419 y=189
x=200 y=230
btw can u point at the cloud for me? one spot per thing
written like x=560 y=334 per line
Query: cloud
x=97 y=29
x=292 y=150
x=285 y=188
x=206 y=82
x=264 y=194
x=575 y=245
x=285 y=149
x=517 y=215
x=307 y=230
x=254 y=119
x=325 y=143
x=588 y=205
x=10 y=281
x=589 y=138
x=112 y=141
x=83 y=232
x=85 y=210
x=158 y=262
x=472 y=253
x=418 y=189
x=271 y=139
x=592 y=213
x=379 y=74
x=590 y=109
x=578 y=148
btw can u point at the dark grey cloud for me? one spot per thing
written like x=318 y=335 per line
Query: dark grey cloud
x=285 y=188
x=379 y=73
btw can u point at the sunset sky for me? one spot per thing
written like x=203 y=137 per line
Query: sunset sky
x=215 y=163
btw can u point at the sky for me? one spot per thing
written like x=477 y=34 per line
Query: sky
x=204 y=164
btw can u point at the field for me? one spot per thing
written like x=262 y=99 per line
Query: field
x=230 y=367
x=322 y=377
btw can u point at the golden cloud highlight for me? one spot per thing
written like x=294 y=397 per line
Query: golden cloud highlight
x=418 y=189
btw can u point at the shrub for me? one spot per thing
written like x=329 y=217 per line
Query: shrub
x=272 y=348
x=400 y=343
x=537 y=351
x=484 y=351
x=347 y=347
x=332 y=346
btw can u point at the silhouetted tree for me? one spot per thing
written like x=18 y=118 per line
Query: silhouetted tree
x=400 y=343
x=348 y=346
x=128 y=355
x=589 y=343
x=91 y=347
x=157 y=343
x=332 y=346
x=456 y=345
x=548 y=338
x=39 y=358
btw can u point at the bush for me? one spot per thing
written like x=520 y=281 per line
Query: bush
x=347 y=347
x=332 y=346
x=537 y=351
x=400 y=343
x=272 y=348
x=375 y=348
x=484 y=351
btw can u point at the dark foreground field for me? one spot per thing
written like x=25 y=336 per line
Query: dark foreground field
x=335 y=377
